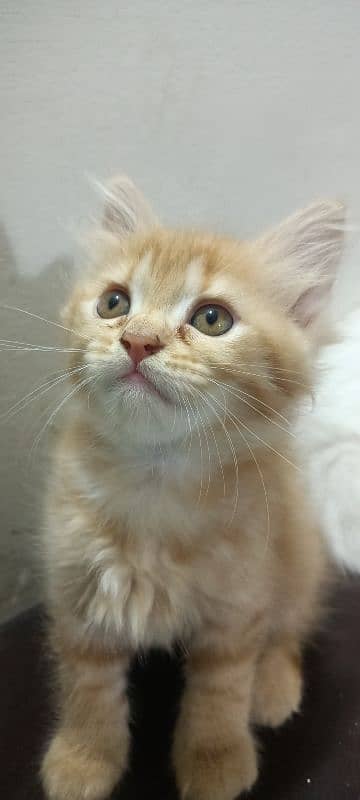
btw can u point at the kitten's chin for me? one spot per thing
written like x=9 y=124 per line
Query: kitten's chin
x=131 y=415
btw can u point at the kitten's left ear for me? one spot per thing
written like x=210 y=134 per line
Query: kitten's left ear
x=126 y=211
x=302 y=255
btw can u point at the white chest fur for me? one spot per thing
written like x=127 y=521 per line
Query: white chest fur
x=152 y=572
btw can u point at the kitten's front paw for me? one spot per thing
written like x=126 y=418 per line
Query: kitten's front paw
x=215 y=771
x=70 y=772
x=277 y=688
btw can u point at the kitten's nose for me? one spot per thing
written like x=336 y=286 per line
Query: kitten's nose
x=140 y=347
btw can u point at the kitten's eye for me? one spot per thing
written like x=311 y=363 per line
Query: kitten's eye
x=113 y=303
x=212 y=320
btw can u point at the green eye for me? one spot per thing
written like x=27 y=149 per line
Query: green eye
x=212 y=320
x=113 y=303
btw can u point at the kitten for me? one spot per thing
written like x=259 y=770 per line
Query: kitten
x=176 y=511
x=331 y=436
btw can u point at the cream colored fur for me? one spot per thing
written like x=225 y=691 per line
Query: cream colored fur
x=179 y=513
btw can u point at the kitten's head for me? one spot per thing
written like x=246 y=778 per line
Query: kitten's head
x=181 y=330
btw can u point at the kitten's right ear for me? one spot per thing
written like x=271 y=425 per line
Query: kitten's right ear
x=126 y=211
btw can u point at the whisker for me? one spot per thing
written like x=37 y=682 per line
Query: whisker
x=189 y=426
x=261 y=402
x=35 y=344
x=266 y=375
x=207 y=444
x=40 y=349
x=55 y=412
x=174 y=418
x=262 y=441
x=267 y=367
x=232 y=450
x=233 y=371
x=183 y=408
x=260 y=473
x=39 y=391
x=261 y=476
x=188 y=406
x=265 y=405
x=256 y=436
x=235 y=422
x=201 y=450
x=217 y=451
x=42 y=319
x=235 y=393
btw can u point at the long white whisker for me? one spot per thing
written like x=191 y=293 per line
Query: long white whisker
x=232 y=450
x=56 y=410
x=215 y=443
x=29 y=344
x=260 y=473
x=207 y=443
x=270 y=447
x=262 y=441
x=267 y=367
x=42 y=319
x=39 y=391
x=269 y=377
x=261 y=476
x=15 y=343
x=189 y=425
x=235 y=393
x=200 y=446
x=33 y=349
x=261 y=402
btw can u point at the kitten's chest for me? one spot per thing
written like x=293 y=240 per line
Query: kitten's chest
x=150 y=592
x=166 y=565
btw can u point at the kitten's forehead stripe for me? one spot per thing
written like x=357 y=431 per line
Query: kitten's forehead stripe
x=176 y=257
x=139 y=282
x=190 y=291
x=143 y=268
x=192 y=287
x=194 y=276
x=169 y=270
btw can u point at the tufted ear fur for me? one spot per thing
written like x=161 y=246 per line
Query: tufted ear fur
x=302 y=256
x=126 y=210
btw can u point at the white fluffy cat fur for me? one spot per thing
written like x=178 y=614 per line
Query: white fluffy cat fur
x=331 y=435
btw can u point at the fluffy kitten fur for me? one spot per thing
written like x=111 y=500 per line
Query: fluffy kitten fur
x=330 y=433
x=177 y=514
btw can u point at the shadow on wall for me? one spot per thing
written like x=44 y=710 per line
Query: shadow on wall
x=22 y=456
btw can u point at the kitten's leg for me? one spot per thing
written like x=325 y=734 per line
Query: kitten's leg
x=278 y=684
x=89 y=751
x=214 y=752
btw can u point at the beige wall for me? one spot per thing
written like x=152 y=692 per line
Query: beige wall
x=228 y=113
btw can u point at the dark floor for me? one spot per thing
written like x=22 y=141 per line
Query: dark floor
x=316 y=756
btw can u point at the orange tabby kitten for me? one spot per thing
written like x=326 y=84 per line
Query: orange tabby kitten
x=175 y=509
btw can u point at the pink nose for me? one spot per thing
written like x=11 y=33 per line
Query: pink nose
x=140 y=347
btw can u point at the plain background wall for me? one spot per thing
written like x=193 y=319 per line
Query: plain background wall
x=228 y=114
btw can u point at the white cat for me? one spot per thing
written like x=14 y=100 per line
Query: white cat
x=331 y=435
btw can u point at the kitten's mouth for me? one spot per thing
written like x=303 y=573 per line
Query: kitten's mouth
x=137 y=379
